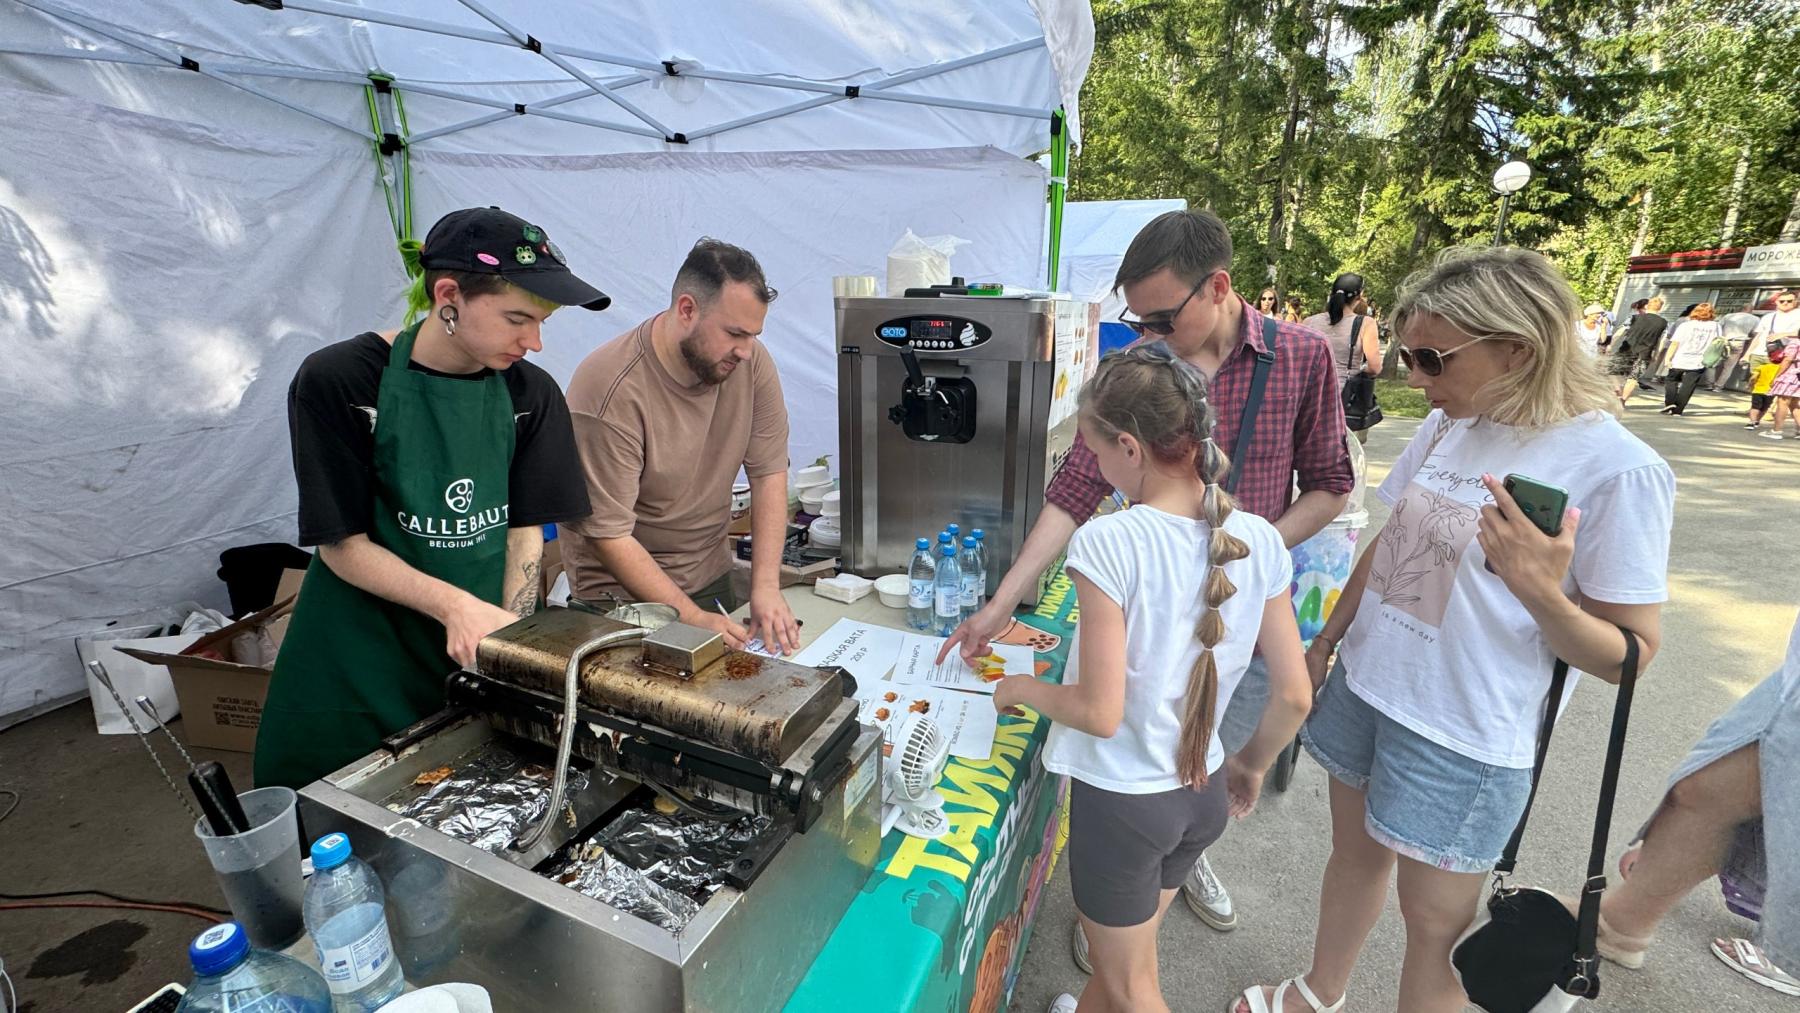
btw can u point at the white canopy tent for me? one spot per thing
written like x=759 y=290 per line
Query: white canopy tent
x=1095 y=235
x=193 y=200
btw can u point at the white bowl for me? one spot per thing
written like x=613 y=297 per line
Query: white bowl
x=824 y=533
x=892 y=590
x=817 y=474
x=812 y=498
x=831 y=504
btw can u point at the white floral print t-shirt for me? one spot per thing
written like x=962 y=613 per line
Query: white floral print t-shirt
x=1439 y=644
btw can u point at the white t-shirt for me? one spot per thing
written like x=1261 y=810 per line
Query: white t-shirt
x=1781 y=323
x=1439 y=644
x=1689 y=341
x=1154 y=565
x=1589 y=337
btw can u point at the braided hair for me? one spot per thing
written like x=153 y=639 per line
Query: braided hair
x=1162 y=402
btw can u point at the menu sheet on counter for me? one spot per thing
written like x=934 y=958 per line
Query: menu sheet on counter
x=868 y=652
x=917 y=665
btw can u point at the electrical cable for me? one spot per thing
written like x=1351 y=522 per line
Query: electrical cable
x=13 y=996
x=59 y=894
x=112 y=905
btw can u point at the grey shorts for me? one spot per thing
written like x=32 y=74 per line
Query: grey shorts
x=1125 y=850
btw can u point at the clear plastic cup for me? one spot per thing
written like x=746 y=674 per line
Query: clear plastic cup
x=259 y=869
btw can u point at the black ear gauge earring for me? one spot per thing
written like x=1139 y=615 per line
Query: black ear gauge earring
x=447 y=314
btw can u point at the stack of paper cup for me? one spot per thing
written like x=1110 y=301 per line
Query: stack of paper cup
x=853 y=285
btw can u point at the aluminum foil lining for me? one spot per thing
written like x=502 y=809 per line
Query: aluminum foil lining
x=589 y=869
x=487 y=800
x=682 y=851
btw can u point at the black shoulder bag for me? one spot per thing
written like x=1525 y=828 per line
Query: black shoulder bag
x=1526 y=953
x=1259 y=379
x=1360 y=409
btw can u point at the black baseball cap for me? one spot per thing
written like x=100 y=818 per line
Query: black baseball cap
x=491 y=241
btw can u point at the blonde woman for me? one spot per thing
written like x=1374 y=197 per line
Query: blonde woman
x=1454 y=617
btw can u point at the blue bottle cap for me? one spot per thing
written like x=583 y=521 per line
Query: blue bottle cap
x=218 y=949
x=923 y=544
x=953 y=529
x=968 y=541
x=948 y=550
x=977 y=534
x=943 y=538
x=330 y=851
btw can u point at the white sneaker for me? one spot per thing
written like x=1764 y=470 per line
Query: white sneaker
x=1078 y=946
x=1772 y=435
x=1207 y=897
x=1064 y=1003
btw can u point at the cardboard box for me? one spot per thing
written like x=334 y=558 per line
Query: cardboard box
x=222 y=698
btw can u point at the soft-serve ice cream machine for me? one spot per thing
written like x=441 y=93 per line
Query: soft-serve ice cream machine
x=953 y=408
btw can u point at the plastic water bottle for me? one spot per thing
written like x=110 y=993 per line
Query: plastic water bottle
x=343 y=910
x=943 y=540
x=230 y=977
x=921 y=577
x=954 y=532
x=974 y=577
x=947 y=608
x=981 y=547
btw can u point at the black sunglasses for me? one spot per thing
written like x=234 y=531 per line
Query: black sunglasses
x=1430 y=361
x=1164 y=322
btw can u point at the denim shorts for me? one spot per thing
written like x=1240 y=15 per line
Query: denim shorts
x=1424 y=801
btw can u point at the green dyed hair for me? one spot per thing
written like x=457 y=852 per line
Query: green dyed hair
x=418 y=291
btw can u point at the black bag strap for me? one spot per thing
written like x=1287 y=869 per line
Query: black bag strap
x=1355 y=345
x=1588 y=917
x=1259 y=379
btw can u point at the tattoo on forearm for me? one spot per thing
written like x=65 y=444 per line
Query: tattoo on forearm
x=524 y=602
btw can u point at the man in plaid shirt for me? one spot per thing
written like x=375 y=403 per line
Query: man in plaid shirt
x=1176 y=280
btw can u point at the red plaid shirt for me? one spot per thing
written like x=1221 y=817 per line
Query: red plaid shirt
x=1300 y=428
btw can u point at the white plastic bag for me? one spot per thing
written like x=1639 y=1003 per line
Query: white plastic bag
x=131 y=677
x=920 y=262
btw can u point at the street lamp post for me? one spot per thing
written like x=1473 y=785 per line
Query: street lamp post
x=1508 y=180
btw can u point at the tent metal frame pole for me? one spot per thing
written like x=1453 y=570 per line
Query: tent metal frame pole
x=905 y=77
x=180 y=60
x=96 y=55
x=764 y=117
x=520 y=109
x=1059 y=192
x=562 y=63
x=349 y=12
x=955 y=103
x=497 y=117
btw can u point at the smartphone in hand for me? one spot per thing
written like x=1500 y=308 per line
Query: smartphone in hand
x=1541 y=503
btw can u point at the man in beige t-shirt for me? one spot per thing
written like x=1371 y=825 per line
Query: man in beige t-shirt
x=664 y=416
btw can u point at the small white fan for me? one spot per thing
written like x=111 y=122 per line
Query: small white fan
x=917 y=761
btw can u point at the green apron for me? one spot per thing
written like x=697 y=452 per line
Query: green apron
x=354 y=667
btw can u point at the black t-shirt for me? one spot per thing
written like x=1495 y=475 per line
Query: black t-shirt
x=1644 y=331
x=331 y=422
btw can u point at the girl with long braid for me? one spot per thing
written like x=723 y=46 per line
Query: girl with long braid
x=1175 y=594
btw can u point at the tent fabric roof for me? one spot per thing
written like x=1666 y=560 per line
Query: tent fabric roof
x=767 y=76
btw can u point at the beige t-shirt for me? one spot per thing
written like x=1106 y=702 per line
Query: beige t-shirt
x=1338 y=335
x=660 y=458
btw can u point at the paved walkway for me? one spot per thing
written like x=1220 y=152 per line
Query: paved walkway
x=1734 y=589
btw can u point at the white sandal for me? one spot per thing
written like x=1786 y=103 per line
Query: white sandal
x=1744 y=957
x=1253 y=996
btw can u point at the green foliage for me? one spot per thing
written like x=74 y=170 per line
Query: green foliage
x=1400 y=401
x=1338 y=136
